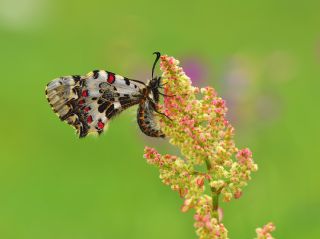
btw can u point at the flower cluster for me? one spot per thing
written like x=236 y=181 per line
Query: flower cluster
x=265 y=231
x=197 y=125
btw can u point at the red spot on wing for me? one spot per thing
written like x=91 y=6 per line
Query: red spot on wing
x=85 y=93
x=87 y=109
x=100 y=125
x=81 y=102
x=111 y=78
x=89 y=119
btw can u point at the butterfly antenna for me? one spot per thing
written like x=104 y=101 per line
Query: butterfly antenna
x=155 y=62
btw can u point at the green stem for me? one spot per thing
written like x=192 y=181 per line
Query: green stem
x=214 y=194
x=215 y=203
x=208 y=164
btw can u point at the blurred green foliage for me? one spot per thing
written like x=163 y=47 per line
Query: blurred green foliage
x=53 y=185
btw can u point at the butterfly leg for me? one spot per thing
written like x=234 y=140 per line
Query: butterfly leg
x=161 y=85
x=154 y=108
x=167 y=95
x=160 y=113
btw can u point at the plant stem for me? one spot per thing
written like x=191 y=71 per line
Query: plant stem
x=214 y=194
x=215 y=203
x=208 y=164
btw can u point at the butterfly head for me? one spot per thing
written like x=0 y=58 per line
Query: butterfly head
x=155 y=82
x=154 y=86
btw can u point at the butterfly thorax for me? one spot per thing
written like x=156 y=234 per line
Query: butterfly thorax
x=153 y=89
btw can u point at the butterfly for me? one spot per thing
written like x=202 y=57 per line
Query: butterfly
x=90 y=102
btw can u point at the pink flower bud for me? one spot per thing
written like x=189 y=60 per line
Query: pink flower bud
x=244 y=156
x=187 y=204
x=197 y=217
x=237 y=194
x=265 y=232
x=200 y=181
x=183 y=192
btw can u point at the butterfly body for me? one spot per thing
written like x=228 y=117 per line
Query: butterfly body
x=89 y=102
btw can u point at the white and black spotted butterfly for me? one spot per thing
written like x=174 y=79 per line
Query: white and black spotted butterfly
x=89 y=102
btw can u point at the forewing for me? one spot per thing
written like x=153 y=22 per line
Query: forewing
x=89 y=102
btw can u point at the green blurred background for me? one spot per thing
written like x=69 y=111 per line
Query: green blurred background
x=262 y=56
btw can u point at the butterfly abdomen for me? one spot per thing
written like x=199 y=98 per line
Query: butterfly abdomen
x=147 y=122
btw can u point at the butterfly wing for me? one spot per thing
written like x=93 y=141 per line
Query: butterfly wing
x=146 y=119
x=89 y=102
